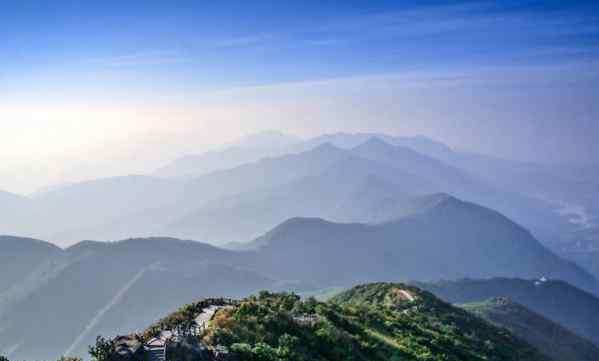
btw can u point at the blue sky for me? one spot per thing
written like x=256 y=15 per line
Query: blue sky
x=218 y=44
x=518 y=79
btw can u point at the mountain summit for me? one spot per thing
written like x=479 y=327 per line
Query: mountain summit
x=367 y=323
x=457 y=239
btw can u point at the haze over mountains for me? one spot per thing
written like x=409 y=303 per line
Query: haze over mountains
x=301 y=215
x=558 y=301
x=299 y=180
x=547 y=336
x=118 y=287
x=458 y=239
x=413 y=166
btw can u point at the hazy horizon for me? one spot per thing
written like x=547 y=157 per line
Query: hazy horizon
x=429 y=167
x=80 y=99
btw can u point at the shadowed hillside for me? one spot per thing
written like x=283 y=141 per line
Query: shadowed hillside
x=450 y=239
x=548 y=337
x=558 y=301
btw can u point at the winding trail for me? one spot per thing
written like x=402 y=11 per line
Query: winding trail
x=98 y=316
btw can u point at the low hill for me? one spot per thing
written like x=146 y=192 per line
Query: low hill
x=448 y=239
x=547 y=336
x=443 y=237
x=23 y=258
x=413 y=325
x=557 y=301
x=100 y=283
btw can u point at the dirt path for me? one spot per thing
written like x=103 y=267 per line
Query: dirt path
x=206 y=315
x=407 y=295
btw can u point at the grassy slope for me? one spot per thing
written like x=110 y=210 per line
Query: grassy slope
x=370 y=322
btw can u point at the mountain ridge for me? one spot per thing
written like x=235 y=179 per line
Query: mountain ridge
x=571 y=307
x=416 y=326
x=547 y=336
x=507 y=249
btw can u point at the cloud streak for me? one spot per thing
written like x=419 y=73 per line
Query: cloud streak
x=145 y=58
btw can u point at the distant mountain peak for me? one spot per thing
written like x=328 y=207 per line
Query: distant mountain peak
x=326 y=146
x=375 y=142
x=302 y=220
x=297 y=223
x=449 y=200
x=441 y=198
x=24 y=243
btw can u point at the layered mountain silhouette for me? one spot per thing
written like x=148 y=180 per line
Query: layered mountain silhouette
x=372 y=171
x=115 y=288
x=91 y=287
x=556 y=300
x=363 y=184
x=547 y=336
x=23 y=260
x=331 y=211
x=245 y=150
x=571 y=183
x=449 y=239
x=349 y=188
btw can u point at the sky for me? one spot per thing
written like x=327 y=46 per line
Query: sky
x=94 y=89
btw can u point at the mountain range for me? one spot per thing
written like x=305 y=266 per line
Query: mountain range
x=560 y=187
x=289 y=214
x=92 y=287
x=555 y=300
x=375 y=172
x=457 y=239
x=547 y=336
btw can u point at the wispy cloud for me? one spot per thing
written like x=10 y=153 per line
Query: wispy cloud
x=143 y=58
x=481 y=29
x=470 y=20
x=241 y=41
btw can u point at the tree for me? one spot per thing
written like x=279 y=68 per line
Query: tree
x=2 y=358
x=103 y=350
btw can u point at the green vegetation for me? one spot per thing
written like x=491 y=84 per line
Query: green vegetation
x=555 y=300
x=103 y=350
x=554 y=340
x=373 y=322
x=183 y=318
